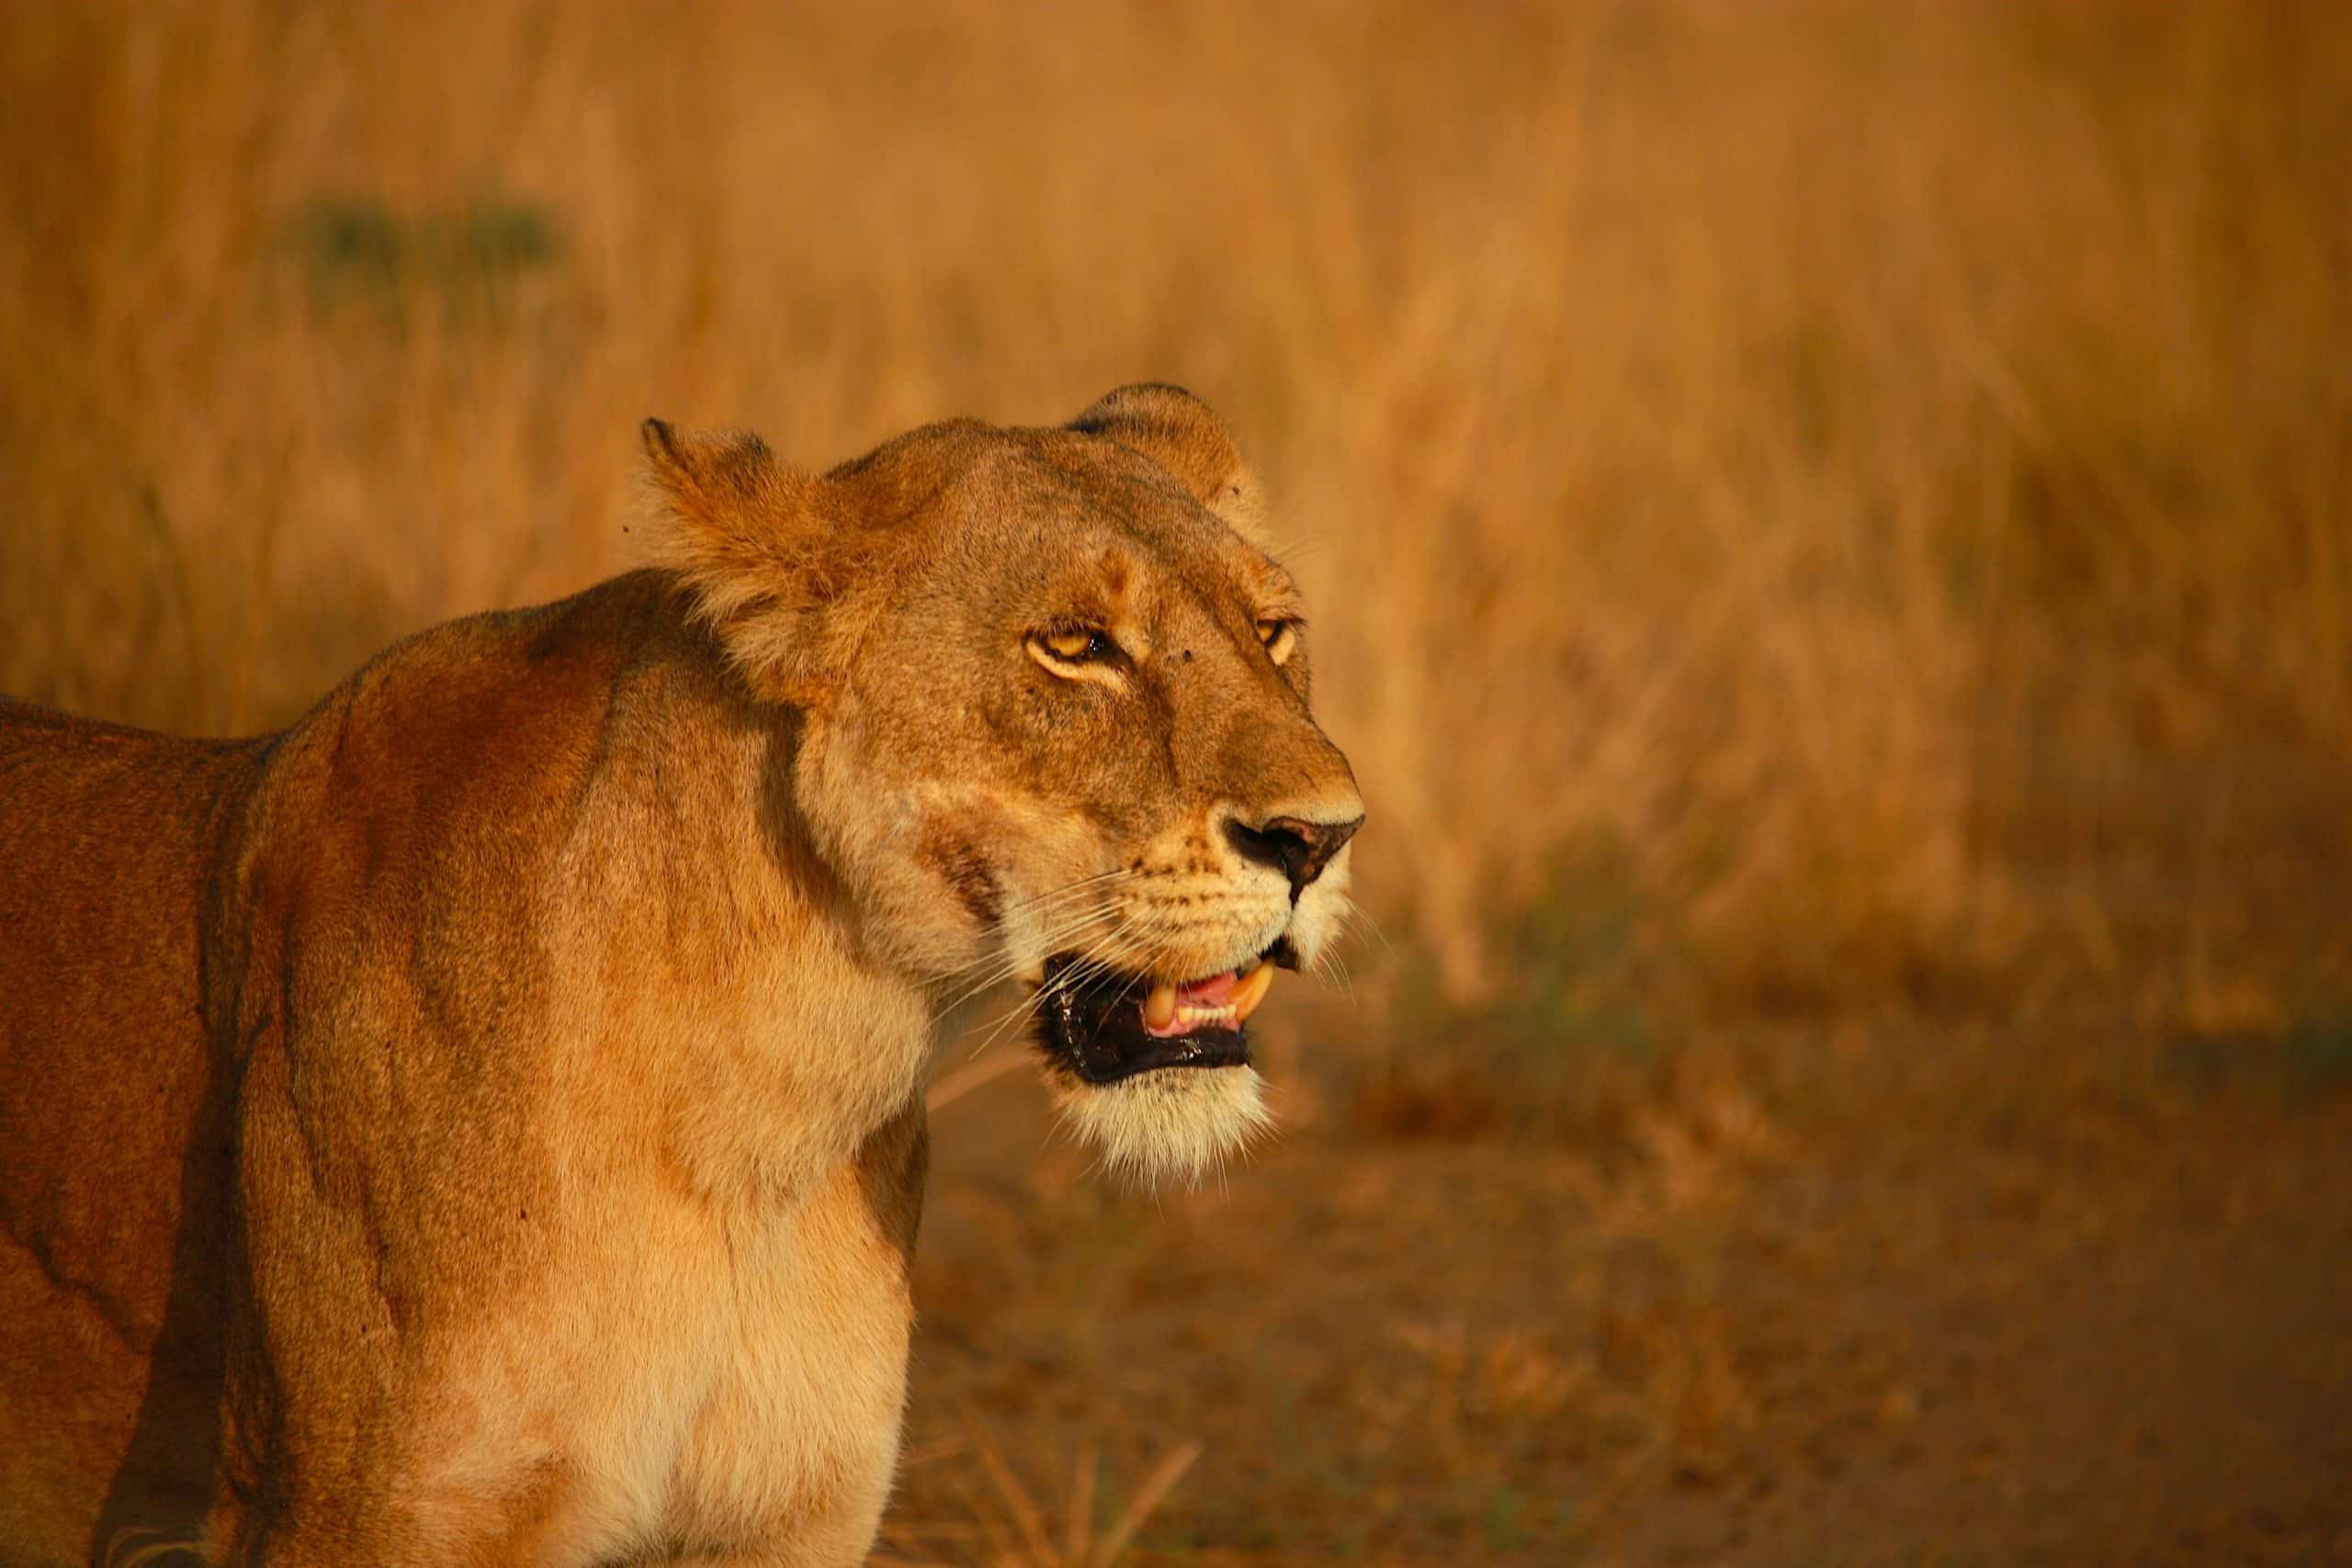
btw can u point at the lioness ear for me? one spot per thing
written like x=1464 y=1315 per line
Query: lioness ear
x=1176 y=430
x=747 y=537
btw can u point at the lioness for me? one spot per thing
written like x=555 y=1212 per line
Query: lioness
x=482 y=1123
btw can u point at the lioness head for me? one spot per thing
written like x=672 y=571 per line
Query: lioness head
x=1052 y=693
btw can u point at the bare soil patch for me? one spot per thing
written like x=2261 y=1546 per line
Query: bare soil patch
x=1910 y=1297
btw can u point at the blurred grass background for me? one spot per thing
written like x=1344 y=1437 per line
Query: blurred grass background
x=1798 y=449
x=1814 y=511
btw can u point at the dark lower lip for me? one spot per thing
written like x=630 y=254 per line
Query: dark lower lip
x=1094 y=1030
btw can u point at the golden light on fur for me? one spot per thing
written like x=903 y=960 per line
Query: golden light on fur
x=556 y=996
x=1169 y=1127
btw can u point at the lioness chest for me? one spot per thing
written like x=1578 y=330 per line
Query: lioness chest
x=712 y=1380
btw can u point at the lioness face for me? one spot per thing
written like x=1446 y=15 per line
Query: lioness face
x=1057 y=729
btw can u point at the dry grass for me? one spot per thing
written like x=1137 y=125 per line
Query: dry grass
x=1809 y=506
x=1011 y=1529
x=1825 y=506
x=1762 y=432
x=1864 y=1296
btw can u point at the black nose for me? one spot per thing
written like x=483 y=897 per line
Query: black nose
x=1291 y=845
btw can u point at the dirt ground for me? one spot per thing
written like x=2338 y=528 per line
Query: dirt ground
x=1906 y=1296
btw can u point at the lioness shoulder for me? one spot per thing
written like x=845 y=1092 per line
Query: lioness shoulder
x=483 y=1121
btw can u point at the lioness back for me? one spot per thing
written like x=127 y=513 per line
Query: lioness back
x=138 y=873
x=108 y=1113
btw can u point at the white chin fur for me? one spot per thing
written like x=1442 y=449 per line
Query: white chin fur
x=1172 y=1124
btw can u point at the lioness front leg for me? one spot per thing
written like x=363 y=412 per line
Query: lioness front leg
x=324 y=1499
x=352 y=1436
x=340 y=1510
x=828 y=1550
x=316 y=1537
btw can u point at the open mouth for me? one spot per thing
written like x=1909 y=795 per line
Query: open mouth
x=1111 y=1026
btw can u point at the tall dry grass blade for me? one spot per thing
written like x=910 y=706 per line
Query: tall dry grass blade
x=1148 y=1498
x=930 y=1452
x=954 y=1086
x=987 y=1519
x=1079 y=1535
x=1023 y=1510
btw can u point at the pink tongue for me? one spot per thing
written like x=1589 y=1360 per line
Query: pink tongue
x=1209 y=993
x=1215 y=991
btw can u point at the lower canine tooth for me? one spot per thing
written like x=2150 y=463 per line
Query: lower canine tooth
x=1159 y=1008
x=1252 y=990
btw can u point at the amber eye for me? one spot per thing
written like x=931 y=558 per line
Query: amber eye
x=1074 y=645
x=1279 y=636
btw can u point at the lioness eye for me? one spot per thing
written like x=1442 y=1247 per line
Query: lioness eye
x=1075 y=647
x=1278 y=636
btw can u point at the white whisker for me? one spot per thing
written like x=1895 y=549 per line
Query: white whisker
x=1088 y=962
x=1352 y=912
x=1005 y=966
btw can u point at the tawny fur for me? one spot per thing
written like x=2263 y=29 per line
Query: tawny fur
x=482 y=1122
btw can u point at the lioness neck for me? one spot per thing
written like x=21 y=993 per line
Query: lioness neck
x=684 y=988
x=773 y=1038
